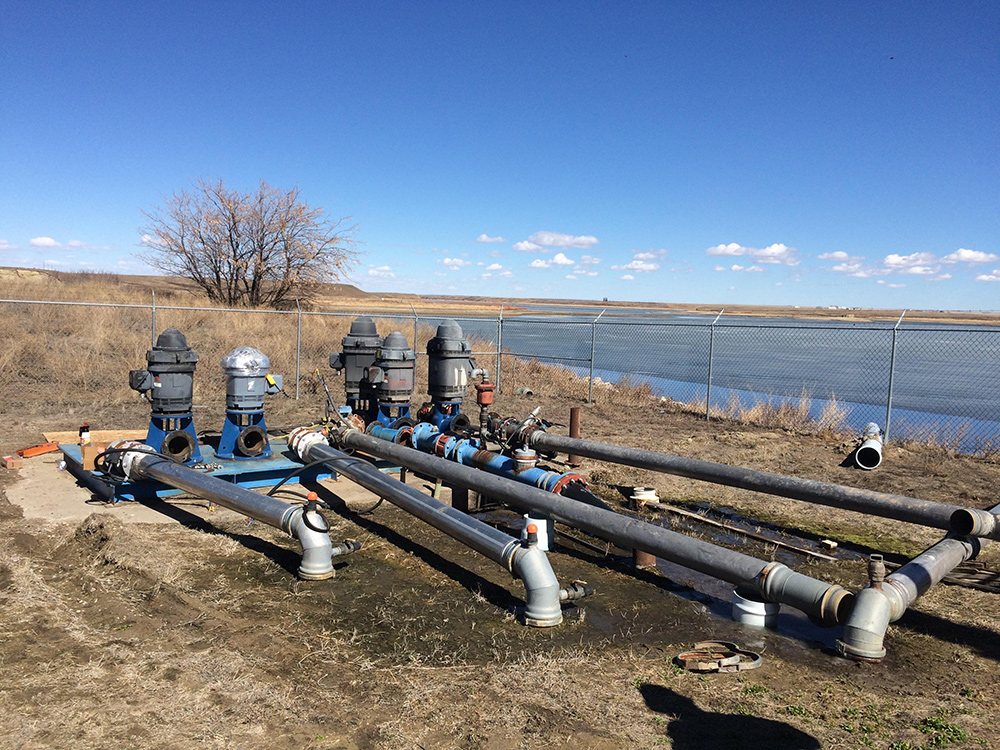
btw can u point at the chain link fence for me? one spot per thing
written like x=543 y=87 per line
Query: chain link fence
x=933 y=383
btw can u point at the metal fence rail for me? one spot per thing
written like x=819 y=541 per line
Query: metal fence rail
x=923 y=382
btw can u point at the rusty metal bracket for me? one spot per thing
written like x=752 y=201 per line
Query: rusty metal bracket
x=718 y=656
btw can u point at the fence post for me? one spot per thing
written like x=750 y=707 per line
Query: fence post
x=152 y=335
x=892 y=372
x=711 y=352
x=416 y=349
x=298 y=346
x=499 y=346
x=593 y=346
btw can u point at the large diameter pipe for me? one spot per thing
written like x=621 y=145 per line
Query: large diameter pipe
x=773 y=581
x=898 y=507
x=138 y=462
x=528 y=563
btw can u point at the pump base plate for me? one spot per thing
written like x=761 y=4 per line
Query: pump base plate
x=261 y=472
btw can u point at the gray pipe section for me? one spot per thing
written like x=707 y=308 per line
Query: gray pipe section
x=317 y=549
x=879 y=604
x=773 y=581
x=529 y=564
x=898 y=507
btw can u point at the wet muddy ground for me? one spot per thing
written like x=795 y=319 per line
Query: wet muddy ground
x=197 y=634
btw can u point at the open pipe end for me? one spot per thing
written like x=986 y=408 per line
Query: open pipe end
x=974 y=522
x=869 y=455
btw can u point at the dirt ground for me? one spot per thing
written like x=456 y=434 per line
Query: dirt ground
x=121 y=629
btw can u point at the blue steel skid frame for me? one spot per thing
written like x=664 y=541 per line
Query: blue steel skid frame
x=262 y=472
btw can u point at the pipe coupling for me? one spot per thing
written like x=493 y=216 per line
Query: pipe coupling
x=975 y=522
x=301 y=439
x=124 y=458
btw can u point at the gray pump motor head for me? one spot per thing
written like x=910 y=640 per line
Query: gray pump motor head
x=169 y=375
x=247 y=379
x=449 y=363
x=358 y=350
x=392 y=373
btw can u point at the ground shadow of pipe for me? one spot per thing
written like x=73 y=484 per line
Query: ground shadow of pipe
x=980 y=640
x=287 y=559
x=691 y=727
x=496 y=595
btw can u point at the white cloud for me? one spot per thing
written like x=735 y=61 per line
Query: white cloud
x=148 y=239
x=4 y=245
x=896 y=286
x=995 y=276
x=736 y=268
x=506 y=274
x=942 y=277
x=76 y=243
x=583 y=272
x=919 y=270
x=638 y=265
x=486 y=276
x=720 y=268
x=649 y=254
x=755 y=269
x=557 y=239
x=455 y=263
x=571 y=277
x=494 y=267
x=44 y=242
x=962 y=255
x=561 y=260
x=486 y=238
x=838 y=255
x=896 y=261
x=589 y=260
x=777 y=283
x=628 y=277
x=528 y=247
x=539 y=263
x=381 y=272
x=776 y=253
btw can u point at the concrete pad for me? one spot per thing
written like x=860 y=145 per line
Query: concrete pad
x=44 y=492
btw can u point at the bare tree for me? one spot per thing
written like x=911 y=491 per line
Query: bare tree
x=260 y=248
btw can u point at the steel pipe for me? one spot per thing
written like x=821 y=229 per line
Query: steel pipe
x=137 y=462
x=773 y=581
x=898 y=507
x=528 y=563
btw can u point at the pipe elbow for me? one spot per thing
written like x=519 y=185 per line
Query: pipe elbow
x=317 y=549
x=864 y=632
x=541 y=587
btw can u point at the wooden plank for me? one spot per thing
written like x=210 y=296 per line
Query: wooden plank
x=98 y=436
x=735 y=529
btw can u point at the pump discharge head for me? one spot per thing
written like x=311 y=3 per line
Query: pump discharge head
x=449 y=367
x=168 y=384
x=358 y=352
x=248 y=380
x=392 y=378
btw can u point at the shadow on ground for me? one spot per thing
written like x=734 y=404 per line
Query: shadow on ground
x=692 y=727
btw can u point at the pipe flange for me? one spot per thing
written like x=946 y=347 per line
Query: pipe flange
x=129 y=452
x=441 y=445
x=252 y=441
x=567 y=479
x=179 y=445
x=302 y=439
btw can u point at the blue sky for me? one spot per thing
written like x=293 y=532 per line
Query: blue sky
x=777 y=153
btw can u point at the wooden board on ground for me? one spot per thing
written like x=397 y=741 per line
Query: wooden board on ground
x=98 y=436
